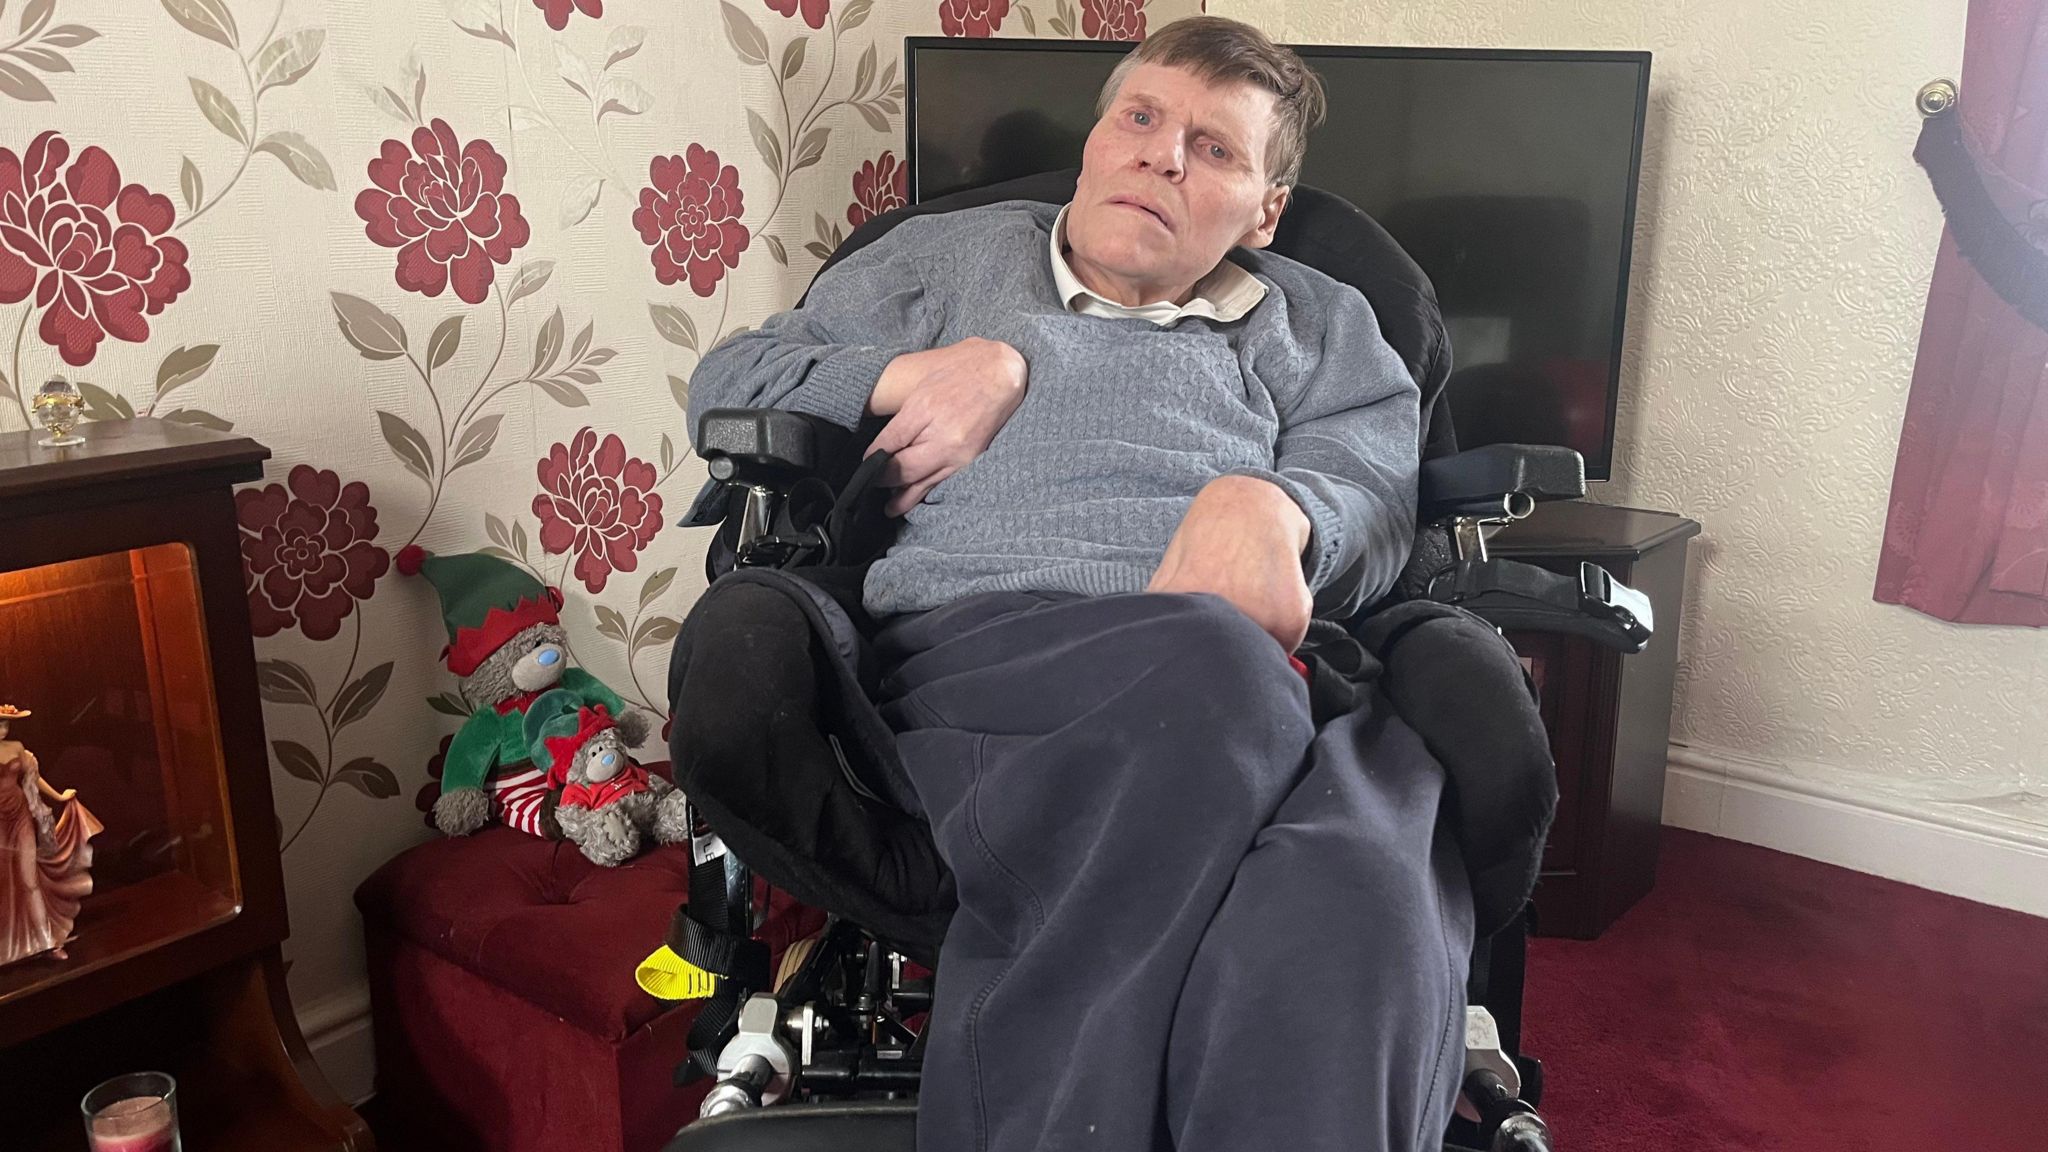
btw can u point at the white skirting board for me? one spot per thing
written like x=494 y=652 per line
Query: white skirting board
x=1943 y=848
x=337 y=1029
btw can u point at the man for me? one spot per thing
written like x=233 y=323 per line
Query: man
x=1131 y=464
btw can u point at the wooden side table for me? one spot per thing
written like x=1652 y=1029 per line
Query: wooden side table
x=1609 y=715
x=126 y=629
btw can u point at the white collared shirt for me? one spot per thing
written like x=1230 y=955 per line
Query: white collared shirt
x=1224 y=295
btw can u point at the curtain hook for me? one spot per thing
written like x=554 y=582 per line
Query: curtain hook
x=1936 y=97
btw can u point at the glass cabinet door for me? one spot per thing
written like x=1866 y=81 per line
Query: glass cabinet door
x=108 y=655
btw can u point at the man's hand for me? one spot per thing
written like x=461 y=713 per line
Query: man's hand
x=945 y=404
x=1242 y=539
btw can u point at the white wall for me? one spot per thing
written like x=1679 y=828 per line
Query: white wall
x=1783 y=251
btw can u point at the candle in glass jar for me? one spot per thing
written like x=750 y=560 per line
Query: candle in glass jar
x=136 y=1124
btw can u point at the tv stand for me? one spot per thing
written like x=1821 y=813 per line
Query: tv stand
x=1609 y=715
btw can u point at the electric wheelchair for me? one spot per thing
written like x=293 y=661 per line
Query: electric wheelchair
x=830 y=1039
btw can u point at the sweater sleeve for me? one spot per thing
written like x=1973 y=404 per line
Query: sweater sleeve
x=825 y=357
x=1348 y=452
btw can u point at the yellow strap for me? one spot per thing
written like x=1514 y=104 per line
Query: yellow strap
x=667 y=976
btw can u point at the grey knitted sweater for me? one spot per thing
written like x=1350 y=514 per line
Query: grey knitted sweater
x=1122 y=421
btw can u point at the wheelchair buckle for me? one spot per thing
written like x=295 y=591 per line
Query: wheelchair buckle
x=1604 y=598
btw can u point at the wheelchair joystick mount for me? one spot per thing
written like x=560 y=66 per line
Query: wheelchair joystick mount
x=756 y=1067
x=836 y=1028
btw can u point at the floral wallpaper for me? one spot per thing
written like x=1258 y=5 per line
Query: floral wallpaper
x=454 y=262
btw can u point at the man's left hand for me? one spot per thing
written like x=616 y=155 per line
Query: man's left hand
x=1242 y=540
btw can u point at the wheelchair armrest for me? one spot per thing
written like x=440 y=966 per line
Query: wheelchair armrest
x=1499 y=481
x=767 y=445
x=787 y=489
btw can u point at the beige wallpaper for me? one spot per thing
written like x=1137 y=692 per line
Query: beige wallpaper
x=452 y=260
x=1783 y=252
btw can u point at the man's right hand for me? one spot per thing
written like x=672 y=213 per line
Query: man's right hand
x=945 y=405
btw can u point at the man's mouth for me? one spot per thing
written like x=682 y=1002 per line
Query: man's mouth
x=1140 y=205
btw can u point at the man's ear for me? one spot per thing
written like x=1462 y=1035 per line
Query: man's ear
x=1270 y=208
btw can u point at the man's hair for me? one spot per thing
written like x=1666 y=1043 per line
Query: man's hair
x=1220 y=50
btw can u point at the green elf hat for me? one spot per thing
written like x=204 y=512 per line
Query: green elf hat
x=558 y=725
x=485 y=602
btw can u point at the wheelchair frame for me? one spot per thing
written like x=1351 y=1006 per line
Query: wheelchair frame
x=839 y=1023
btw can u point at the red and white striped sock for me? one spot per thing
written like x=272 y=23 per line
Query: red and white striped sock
x=518 y=798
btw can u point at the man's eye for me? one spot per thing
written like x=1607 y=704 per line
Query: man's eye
x=1219 y=152
x=1142 y=119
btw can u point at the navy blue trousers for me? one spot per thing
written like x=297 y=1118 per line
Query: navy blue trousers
x=1188 y=918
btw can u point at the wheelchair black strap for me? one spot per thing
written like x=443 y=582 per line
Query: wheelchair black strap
x=853 y=522
x=1499 y=581
x=708 y=1033
x=713 y=932
x=857 y=485
x=724 y=954
x=1510 y=594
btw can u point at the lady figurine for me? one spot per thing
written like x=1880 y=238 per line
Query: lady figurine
x=45 y=854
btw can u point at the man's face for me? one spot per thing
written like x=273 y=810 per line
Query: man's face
x=1174 y=176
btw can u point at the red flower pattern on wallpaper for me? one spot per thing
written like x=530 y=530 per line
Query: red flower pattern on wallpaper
x=1113 y=19
x=880 y=186
x=599 y=503
x=557 y=11
x=309 y=551
x=814 y=10
x=96 y=253
x=691 y=218
x=443 y=205
x=972 y=17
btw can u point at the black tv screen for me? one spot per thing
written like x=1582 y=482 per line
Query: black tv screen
x=1510 y=176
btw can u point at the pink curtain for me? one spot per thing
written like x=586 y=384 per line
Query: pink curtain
x=1967 y=535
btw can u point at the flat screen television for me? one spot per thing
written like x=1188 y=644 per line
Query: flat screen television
x=1510 y=176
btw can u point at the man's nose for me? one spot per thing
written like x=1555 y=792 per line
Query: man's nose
x=1164 y=154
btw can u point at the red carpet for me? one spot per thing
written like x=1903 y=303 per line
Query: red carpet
x=1759 y=1002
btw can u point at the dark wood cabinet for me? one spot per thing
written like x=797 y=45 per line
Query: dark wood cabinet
x=124 y=625
x=1609 y=715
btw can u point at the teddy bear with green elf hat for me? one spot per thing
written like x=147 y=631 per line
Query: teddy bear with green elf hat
x=507 y=646
x=609 y=805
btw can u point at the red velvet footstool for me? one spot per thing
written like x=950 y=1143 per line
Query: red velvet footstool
x=502 y=995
